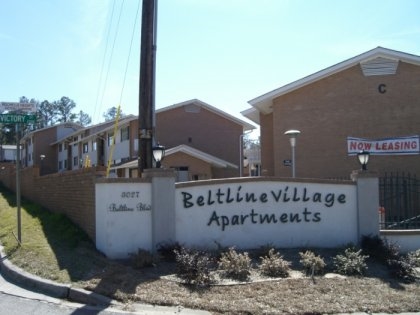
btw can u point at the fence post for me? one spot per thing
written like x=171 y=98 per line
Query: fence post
x=367 y=203
x=163 y=205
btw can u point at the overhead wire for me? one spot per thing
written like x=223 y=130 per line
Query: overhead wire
x=129 y=51
x=98 y=91
x=112 y=53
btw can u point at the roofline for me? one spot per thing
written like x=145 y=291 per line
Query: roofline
x=189 y=151
x=49 y=127
x=263 y=103
x=122 y=121
x=246 y=126
x=200 y=155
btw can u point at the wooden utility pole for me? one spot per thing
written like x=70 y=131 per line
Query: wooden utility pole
x=147 y=85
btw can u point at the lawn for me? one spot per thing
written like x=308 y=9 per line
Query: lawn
x=53 y=248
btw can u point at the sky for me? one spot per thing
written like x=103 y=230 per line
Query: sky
x=222 y=52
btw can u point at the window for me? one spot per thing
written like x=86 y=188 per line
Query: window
x=60 y=147
x=85 y=147
x=75 y=161
x=110 y=139
x=125 y=133
x=75 y=141
x=60 y=165
x=93 y=145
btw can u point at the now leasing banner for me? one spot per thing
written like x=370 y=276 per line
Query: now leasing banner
x=388 y=146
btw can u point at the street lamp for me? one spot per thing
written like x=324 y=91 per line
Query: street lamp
x=292 y=136
x=158 y=154
x=363 y=157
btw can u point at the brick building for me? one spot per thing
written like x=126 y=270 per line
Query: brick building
x=372 y=96
x=37 y=148
x=202 y=142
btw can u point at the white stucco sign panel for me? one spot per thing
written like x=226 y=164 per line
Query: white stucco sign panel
x=252 y=214
x=123 y=218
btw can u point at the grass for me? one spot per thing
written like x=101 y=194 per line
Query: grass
x=53 y=248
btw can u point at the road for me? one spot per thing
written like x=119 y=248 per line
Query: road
x=16 y=300
x=15 y=305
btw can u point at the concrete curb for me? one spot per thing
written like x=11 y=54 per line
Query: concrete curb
x=57 y=290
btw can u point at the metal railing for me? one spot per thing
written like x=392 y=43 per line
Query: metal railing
x=399 y=196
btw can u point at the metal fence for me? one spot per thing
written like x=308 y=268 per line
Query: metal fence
x=399 y=202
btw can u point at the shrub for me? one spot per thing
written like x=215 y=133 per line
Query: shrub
x=402 y=268
x=379 y=249
x=235 y=265
x=193 y=266
x=143 y=258
x=273 y=265
x=312 y=264
x=352 y=262
x=167 y=251
x=414 y=258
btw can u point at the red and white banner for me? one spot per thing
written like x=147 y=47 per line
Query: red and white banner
x=388 y=146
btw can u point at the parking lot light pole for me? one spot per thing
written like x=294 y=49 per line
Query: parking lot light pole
x=292 y=136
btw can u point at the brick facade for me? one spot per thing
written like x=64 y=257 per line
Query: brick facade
x=337 y=103
x=70 y=193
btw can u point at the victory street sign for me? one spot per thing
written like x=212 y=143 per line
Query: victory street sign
x=16 y=118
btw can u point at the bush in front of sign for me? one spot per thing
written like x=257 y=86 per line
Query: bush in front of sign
x=143 y=258
x=235 y=265
x=193 y=266
x=351 y=262
x=273 y=265
x=312 y=264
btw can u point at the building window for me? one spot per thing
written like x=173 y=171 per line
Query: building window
x=75 y=161
x=93 y=145
x=85 y=147
x=60 y=147
x=110 y=139
x=125 y=133
x=60 y=165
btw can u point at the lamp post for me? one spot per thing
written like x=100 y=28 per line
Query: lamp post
x=158 y=154
x=292 y=136
x=363 y=157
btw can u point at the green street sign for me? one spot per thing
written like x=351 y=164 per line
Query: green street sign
x=16 y=118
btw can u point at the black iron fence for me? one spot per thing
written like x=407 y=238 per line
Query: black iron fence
x=399 y=196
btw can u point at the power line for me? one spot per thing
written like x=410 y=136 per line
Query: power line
x=129 y=51
x=103 y=60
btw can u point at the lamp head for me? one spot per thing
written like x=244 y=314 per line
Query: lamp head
x=158 y=154
x=363 y=157
x=292 y=134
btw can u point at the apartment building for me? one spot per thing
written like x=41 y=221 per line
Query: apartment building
x=201 y=142
x=368 y=102
x=38 y=146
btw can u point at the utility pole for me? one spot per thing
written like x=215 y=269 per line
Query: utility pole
x=147 y=85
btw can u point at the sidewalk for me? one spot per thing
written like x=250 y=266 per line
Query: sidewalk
x=17 y=282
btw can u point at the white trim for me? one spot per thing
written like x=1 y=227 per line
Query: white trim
x=214 y=161
x=264 y=102
x=246 y=126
